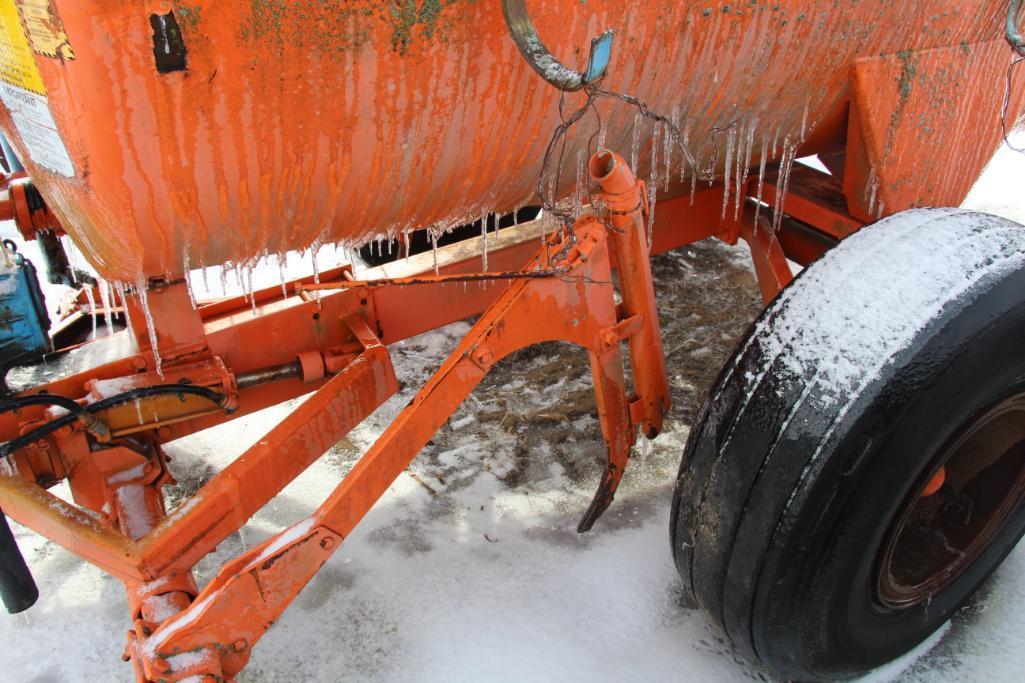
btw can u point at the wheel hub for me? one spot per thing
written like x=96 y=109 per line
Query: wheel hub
x=940 y=530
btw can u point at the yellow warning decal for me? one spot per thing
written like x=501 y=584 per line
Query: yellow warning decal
x=17 y=64
x=45 y=30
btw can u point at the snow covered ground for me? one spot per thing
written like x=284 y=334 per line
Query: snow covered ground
x=470 y=568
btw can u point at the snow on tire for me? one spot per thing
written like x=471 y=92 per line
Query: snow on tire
x=804 y=520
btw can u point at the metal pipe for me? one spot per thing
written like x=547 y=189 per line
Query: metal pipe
x=275 y=373
x=623 y=196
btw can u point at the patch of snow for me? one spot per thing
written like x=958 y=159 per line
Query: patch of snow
x=286 y=538
x=814 y=331
x=112 y=387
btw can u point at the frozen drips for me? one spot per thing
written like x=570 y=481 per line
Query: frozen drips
x=141 y=290
x=731 y=143
x=761 y=175
x=281 y=274
x=119 y=287
x=92 y=306
x=105 y=298
x=635 y=147
x=187 y=271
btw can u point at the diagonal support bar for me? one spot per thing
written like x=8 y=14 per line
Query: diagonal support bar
x=240 y=604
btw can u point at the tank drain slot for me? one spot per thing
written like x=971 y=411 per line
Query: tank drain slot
x=168 y=45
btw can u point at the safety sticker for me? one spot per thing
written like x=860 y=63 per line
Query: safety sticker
x=45 y=30
x=23 y=92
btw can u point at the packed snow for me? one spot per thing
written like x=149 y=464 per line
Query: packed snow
x=469 y=568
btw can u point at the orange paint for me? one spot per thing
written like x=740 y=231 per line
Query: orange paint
x=293 y=120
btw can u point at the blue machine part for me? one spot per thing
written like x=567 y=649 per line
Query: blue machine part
x=24 y=323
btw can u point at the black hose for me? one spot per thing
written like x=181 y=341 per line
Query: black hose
x=103 y=404
x=19 y=402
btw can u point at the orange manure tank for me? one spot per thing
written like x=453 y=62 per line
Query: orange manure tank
x=171 y=133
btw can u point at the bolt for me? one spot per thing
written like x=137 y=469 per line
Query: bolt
x=139 y=362
x=240 y=645
x=485 y=357
x=610 y=337
x=327 y=543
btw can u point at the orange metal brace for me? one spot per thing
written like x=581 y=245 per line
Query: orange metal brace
x=215 y=635
x=771 y=267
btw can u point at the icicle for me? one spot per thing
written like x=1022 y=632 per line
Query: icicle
x=92 y=306
x=881 y=210
x=434 y=248
x=206 y=284
x=580 y=190
x=138 y=411
x=683 y=157
x=667 y=153
x=761 y=175
x=69 y=249
x=635 y=148
x=108 y=317
x=405 y=239
x=652 y=198
x=484 y=242
x=281 y=275
x=249 y=286
x=224 y=279
x=787 y=163
x=237 y=272
x=737 y=174
x=188 y=274
x=731 y=142
x=871 y=189
x=693 y=186
x=316 y=273
x=141 y=287
x=742 y=168
x=120 y=289
x=602 y=130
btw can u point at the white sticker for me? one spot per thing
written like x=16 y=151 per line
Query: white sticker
x=38 y=130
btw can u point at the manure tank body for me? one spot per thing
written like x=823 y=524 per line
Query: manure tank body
x=169 y=132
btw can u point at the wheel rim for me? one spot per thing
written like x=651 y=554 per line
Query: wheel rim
x=940 y=530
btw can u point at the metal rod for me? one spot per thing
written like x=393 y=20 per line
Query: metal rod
x=274 y=373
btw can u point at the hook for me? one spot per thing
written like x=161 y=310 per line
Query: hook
x=523 y=33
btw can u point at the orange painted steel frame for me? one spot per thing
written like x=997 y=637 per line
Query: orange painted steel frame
x=334 y=343
x=566 y=294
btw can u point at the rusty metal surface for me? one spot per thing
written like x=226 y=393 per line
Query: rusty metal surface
x=923 y=124
x=295 y=122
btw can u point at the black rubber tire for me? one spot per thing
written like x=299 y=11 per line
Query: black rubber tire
x=826 y=418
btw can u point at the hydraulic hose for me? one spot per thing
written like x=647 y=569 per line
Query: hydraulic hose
x=103 y=404
x=92 y=423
